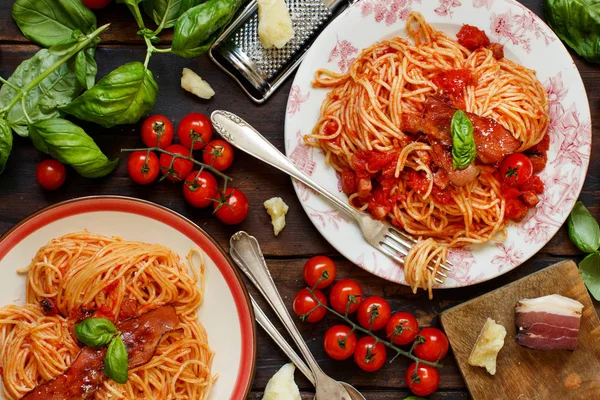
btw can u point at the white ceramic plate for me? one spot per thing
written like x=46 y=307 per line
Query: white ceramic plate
x=226 y=313
x=528 y=41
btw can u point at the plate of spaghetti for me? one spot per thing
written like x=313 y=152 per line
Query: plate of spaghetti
x=118 y=298
x=465 y=124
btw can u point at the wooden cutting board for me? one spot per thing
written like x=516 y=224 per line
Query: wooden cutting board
x=522 y=373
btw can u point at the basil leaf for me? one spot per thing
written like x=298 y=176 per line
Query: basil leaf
x=6 y=141
x=577 y=23
x=41 y=102
x=115 y=363
x=95 y=332
x=167 y=10
x=49 y=22
x=121 y=97
x=69 y=144
x=583 y=229
x=199 y=27
x=62 y=48
x=589 y=268
x=86 y=68
x=463 y=143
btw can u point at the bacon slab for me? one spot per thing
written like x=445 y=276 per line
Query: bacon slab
x=548 y=323
x=141 y=336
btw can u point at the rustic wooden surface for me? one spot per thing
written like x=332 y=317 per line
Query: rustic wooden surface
x=520 y=370
x=21 y=196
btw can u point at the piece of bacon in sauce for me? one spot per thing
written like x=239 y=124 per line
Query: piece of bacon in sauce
x=141 y=336
x=48 y=307
x=548 y=323
x=497 y=50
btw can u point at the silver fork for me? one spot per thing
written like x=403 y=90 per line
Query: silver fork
x=379 y=234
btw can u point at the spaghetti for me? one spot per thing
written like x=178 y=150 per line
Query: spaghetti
x=86 y=274
x=393 y=172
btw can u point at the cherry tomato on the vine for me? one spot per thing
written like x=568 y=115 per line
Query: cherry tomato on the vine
x=422 y=381
x=339 y=342
x=219 y=154
x=307 y=308
x=180 y=167
x=50 y=174
x=157 y=131
x=432 y=345
x=96 y=4
x=370 y=354
x=373 y=313
x=196 y=128
x=319 y=267
x=231 y=207
x=142 y=167
x=402 y=328
x=516 y=169
x=346 y=293
x=200 y=189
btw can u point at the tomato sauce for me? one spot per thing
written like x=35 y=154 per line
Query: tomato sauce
x=472 y=37
x=515 y=197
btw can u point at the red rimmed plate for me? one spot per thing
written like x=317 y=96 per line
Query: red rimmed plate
x=226 y=313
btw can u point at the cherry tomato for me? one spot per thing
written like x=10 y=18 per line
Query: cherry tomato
x=194 y=127
x=157 y=131
x=369 y=356
x=373 y=313
x=96 y=4
x=232 y=207
x=306 y=307
x=432 y=344
x=200 y=189
x=219 y=154
x=343 y=292
x=319 y=267
x=402 y=328
x=181 y=167
x=516 y=169
x=422 y=381
x=339 y=342
x=139 y=170
x=50 y=174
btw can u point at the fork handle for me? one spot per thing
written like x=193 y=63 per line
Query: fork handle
x=242 y=135
x=247 y=254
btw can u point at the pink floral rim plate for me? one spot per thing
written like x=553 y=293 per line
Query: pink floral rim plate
x=527 y=40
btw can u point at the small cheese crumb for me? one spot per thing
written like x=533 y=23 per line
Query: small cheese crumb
x=277 y=210
x=488 y=344
x=282 y=386
x=274 y=23
x=191 y=82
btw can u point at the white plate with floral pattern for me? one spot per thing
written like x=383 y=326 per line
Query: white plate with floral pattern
x=528 y=41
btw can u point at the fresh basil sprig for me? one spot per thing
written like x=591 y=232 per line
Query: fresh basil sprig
x=585 y=234
x=96 y=332
x=115 y=362
x=69 y=144
x=199 y=27
x=86 y=68
x=463 y=143
x=121 y=97
x=49 y=22
x=6 y=141
x=583 y=229
x=165 y=12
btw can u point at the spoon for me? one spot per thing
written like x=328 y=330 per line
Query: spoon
x=278 y=338
x=246 y=252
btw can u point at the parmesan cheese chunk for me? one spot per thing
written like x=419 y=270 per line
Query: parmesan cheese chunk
x=282 y=386
x=191 y=82
x=277 y=210
x=274 y=23
x=488 y=344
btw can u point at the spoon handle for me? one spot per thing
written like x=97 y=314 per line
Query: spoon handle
x=247 y=254
x=263 y=321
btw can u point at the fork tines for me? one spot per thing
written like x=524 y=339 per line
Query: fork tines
x=397 y=244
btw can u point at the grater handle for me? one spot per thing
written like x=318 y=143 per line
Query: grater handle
x=243 y=136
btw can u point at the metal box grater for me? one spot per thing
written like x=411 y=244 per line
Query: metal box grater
x=261 y=71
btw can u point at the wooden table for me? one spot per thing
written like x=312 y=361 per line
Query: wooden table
x=20 y=196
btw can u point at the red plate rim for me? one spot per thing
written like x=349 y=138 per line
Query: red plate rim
x=169 y=217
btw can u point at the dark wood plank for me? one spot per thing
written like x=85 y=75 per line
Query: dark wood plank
x=381 y=395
